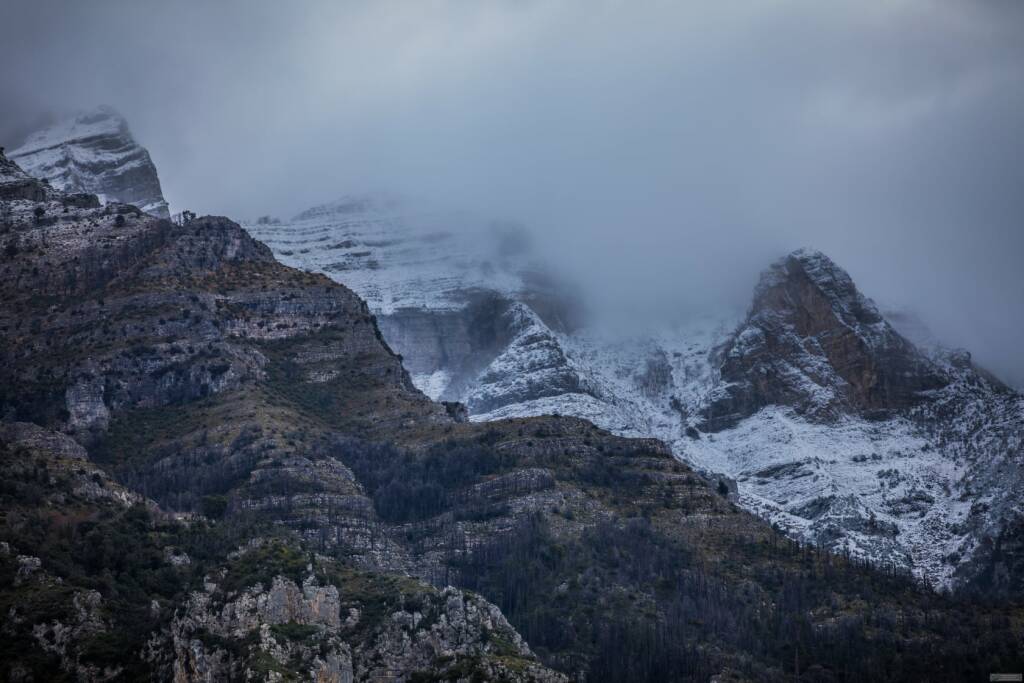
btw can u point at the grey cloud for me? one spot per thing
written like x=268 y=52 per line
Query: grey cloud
x=662 y=151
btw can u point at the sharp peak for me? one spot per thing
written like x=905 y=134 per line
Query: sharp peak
x=73 y=126
x=805 y=255
x=827 y=276
x=815 y=264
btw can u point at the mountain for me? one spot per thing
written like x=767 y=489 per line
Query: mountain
x=812 y=341
x=453 y=293
x=842 y=430
x=94 y=152
x=813 y=370
x=826 y=420
x=215 y=468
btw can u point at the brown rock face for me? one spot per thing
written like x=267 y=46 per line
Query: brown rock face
x=814 y=342
x=110 y=309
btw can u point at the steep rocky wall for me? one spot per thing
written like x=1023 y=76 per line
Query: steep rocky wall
x=814 y=342
x=109 y=309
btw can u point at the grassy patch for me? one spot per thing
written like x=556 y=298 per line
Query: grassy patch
x=260 y=565
x=294 y=631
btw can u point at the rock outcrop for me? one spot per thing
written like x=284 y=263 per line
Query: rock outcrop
x=814 y=342
x=355 y=629
x=94 y=152
x=148 y=313
x=16 y=184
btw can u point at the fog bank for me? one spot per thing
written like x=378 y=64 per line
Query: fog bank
x=662 y=152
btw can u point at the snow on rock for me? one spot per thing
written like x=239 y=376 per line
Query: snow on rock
x=455 y=295
x=879 y=490
x=94 y=152
x=399 y=253
x=812 y=341
x=835 y=427
x=533 y=365
x=929 y=485
x=15 y=184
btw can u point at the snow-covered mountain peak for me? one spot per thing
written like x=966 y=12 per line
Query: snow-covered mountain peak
x=813 y=342
x=93 y=151
x=99 y=121
x=404 y=253
x=828 y=280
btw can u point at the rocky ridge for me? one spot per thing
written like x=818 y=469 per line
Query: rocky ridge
x=333 y=632
x=142 y=308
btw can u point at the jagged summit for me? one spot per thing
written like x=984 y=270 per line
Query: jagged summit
x=828 y=277
x=94 y=151
x=813 y=342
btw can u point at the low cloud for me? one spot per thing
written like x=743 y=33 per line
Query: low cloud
x=663 y=152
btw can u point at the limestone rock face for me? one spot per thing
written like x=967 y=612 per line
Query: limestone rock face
x=814 y=342
x=146 y=313
x=331 y=636
x=65 y=459
x=94 y=152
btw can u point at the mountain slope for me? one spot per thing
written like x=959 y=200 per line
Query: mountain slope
x=452 y=293
x=822 y=413
x=94 y=152
x=309 y=497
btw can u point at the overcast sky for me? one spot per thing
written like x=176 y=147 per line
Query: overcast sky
x=663 y=151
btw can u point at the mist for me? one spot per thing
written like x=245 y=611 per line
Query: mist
x=661 y=152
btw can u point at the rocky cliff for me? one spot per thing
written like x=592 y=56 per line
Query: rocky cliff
x=185 y=607
x=814 y=342
x=16 y=184
x=94 y=152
